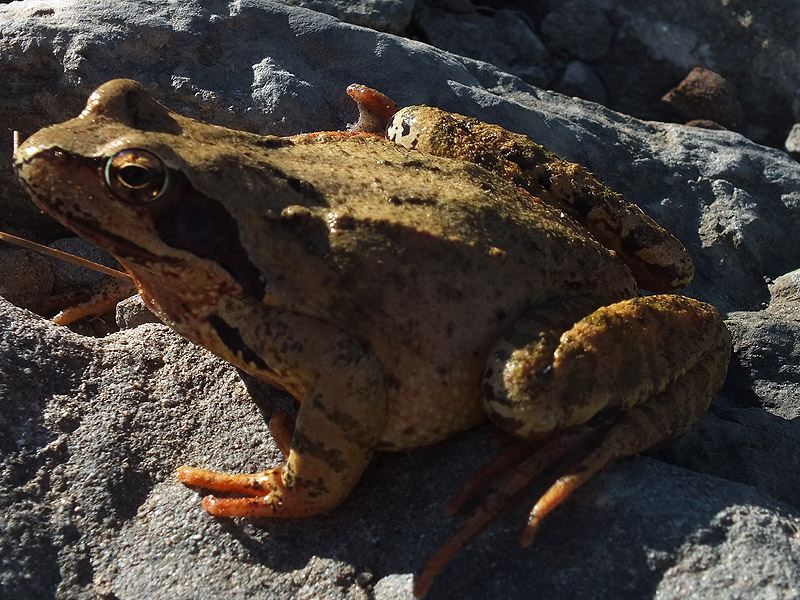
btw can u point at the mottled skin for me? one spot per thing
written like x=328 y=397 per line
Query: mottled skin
x=658 y=261
x=376 y=284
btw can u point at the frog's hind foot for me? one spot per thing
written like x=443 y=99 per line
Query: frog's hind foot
x=546 y=453
x=375 y=109
x=518 y=465
x=665 y=415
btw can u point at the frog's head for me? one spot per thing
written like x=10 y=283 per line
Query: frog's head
x=149 y=185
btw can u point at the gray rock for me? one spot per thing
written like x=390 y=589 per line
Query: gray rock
x=579 y=29
x=27 y=277
x=639 y=50
x=767 y=363
x=720 y=551
x=792 y=143
x=31 y=279
x=392 y=16
x=504 y=39
x=784 y=296
x=580 y=80
x=91 y=429
x=71 y=277
x=754 y=47
x=132 y=312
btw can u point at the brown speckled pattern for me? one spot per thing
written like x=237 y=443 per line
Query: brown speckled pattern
x=658 y=260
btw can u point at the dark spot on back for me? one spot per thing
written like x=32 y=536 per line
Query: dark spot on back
x=399 y=200
x=416 y=163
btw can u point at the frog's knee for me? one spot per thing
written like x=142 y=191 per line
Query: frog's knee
x=515 y=384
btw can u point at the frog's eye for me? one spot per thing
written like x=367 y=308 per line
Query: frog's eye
x=136 y=176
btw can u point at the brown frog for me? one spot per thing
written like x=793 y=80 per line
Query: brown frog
x=401 y=297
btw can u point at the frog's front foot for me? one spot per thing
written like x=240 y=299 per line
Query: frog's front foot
x=257 y=494
x=341 y=418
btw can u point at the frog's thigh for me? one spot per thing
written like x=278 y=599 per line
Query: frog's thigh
x=615 y=358
x=341 y=418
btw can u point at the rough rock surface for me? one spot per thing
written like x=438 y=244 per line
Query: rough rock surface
x=503 y=38
x=27 y=277
x=752 y=45
x=91 y=429
x=580 y=80
x=792 y=143
x=640 y=50
x=384 y=15
x=579 y=29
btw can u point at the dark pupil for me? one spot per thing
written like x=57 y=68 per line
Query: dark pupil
x=134 y=176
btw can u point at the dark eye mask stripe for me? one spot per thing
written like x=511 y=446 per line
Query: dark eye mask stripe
x=188 y=220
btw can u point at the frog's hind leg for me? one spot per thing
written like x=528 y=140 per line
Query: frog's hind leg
x=549 y=377
x=651 y=365
x=667 y=415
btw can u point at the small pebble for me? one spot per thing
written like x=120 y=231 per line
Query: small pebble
x=705 y=95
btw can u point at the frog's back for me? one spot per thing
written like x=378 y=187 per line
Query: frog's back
x=399 y=215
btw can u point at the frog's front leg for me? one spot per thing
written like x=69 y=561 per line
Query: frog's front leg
x=341 y=417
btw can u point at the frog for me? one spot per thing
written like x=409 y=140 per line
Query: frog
x=401 y=283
